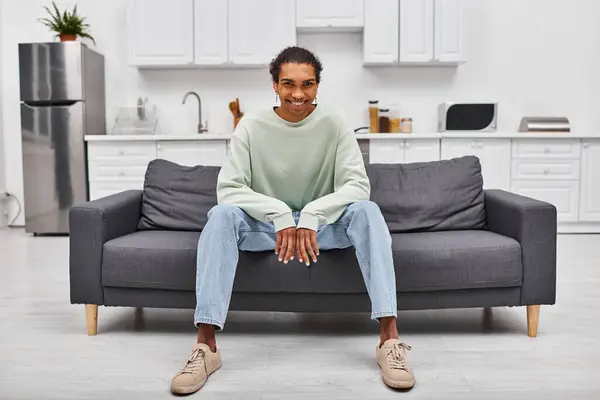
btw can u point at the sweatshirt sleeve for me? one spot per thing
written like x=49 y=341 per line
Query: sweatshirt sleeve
x=351 y=184
x=234 y=181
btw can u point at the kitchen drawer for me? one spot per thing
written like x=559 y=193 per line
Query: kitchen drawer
x=564 y=195
x=103 y=170
x=140 y=151
x=545 y=169
x=103 y=189
x=546 y=148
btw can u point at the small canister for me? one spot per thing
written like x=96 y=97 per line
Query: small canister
x=406 y=125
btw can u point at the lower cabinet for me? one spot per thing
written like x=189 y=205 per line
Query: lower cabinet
x=391 y=151
x=121 y=165
x=563 y=171
x=564 y=195
x=493 y=154
x=589 y=205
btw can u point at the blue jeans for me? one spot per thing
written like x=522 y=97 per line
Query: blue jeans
x=229 y=229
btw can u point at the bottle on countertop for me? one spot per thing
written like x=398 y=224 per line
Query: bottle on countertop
x=395 y=119
x=384 y=120
x=373 y=116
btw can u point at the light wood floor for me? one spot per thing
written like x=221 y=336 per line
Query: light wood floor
x=45 y=352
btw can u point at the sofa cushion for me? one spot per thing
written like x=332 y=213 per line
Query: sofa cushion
x=429 y=196
x=167 y=260
x=434 y=261
x=177 y=197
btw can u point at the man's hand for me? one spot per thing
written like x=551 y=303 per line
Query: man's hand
x=286 y=244
x=306 y=245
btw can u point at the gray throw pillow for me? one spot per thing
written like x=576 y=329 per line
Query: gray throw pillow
x=429 y=196
x=177 y=197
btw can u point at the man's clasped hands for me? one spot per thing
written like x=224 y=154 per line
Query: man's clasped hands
x=299 y=242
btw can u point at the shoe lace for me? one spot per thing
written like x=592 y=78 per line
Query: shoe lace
x=195 y=363
x=395 y=356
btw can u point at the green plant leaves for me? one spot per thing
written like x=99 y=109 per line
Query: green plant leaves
x=67 y=23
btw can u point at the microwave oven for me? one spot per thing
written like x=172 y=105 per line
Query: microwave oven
x=467 y=117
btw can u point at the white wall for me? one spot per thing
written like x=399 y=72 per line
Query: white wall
x=533 y=57
x=3 y=221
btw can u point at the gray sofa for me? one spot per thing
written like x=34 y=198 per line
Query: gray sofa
x=455 y=245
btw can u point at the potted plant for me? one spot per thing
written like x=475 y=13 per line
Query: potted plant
x=68 y=25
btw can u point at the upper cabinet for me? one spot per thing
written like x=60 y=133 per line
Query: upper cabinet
x=327 y=14
x=161 y=32
x=414 y=32
x=381 y=34
x=259 y=29
x=209 y=32
x=221 y=33
x=449 y=31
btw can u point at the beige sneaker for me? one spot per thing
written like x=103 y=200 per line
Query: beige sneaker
x=391 y=357
x=200 y=365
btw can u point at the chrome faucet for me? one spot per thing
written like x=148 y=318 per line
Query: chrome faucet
x=201 y=128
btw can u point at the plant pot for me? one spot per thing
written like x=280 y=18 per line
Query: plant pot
x=66 y=37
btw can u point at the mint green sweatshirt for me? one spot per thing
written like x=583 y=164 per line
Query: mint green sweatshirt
x=275 y=167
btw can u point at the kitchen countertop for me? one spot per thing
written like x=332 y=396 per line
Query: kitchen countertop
x=373 y=136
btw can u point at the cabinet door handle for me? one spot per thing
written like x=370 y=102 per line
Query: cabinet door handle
x=586 y=144
x=407 y=144
x=546 y=171
x=474 y=144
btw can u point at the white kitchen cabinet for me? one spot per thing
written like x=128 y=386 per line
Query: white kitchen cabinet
x=381 y=32
x=431 y=32
x=211 y=32
x=494 y=156
x=160 y=32
x=259 y=29
x=589 y=205
x=396 y=151
x=386 y=151
x=349 y=14
x=562 y=194
x=449 y=43
x=416 y=31
x=421 y=150
x=192 y=153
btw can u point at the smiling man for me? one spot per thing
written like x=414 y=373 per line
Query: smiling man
x=294 y=182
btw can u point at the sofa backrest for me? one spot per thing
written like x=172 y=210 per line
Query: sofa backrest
x=177 y=197
x=429 y=196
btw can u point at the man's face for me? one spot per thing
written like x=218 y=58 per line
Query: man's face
x=297 y=87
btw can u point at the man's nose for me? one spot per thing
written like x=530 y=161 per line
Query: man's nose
x=298 y=93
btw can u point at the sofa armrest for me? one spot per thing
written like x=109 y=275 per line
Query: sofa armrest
x=533 y=223
x=91 y=225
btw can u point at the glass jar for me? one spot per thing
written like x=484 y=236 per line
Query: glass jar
x=406 y=125
x=384 y=120
x=395 y=119
x=373 y=116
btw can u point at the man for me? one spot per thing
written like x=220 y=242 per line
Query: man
x=294 y=182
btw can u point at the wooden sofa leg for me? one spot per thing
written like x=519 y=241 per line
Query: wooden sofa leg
x=533 y=318
x=91 y=316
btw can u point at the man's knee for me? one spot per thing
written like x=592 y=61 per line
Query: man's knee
x=223 y=211
x=367 y=207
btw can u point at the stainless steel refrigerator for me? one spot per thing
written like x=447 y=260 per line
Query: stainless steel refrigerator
x=62 y=100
